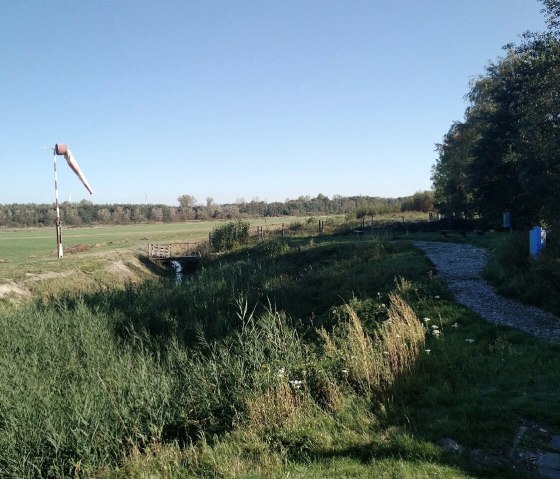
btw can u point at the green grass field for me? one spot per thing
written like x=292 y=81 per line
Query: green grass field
x=102 y=256
x=28 y=256
x=28 y=246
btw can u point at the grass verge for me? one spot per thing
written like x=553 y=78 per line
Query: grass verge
x=327 y=357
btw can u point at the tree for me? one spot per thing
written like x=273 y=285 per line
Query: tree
x=504 y=155
x=450 y=173
x=186 y=201
x=552 y=11
x=372 y=208
x=156 y=214
x=420 y=201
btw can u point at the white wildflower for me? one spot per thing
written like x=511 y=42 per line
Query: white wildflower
x=469 y=340
x=296 y=383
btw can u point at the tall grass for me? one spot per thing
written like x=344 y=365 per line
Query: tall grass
x=86 y=382
x=71 y=396
x=74 y=397
x=373 y=363
x=287 y=355
x=517 y=275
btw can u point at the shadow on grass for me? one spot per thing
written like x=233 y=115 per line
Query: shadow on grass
x=476 y=385
x=304 y=277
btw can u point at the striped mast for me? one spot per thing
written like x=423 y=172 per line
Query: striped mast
x=57 y=221
x=63 y=150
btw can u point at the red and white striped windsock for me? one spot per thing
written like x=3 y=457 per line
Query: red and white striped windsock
x=61 y=149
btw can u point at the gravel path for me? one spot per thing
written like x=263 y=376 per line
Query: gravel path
x=461 y=265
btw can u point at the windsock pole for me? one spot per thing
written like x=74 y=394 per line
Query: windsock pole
x=57 y=222
x=61 y=149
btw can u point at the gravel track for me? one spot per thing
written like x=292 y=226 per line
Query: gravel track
x=461 y=266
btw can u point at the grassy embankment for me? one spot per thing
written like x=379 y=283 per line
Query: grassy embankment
x=297 y=356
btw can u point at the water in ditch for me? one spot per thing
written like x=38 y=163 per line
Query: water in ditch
x=178 y=271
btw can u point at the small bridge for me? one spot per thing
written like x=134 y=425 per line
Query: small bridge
x=187 y=254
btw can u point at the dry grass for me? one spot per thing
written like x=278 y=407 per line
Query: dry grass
x=274 y=406
x=402 y=336
x=373 y=362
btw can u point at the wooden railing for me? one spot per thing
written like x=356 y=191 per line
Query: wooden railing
x=172 y=250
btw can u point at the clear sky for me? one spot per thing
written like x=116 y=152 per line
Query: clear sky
x=238 y=99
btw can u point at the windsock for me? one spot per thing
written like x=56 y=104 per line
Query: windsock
x=61 y=149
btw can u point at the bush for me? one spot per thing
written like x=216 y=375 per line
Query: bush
x=275 y=247
x=296 y=226
x=227 y=236
x=516 y=274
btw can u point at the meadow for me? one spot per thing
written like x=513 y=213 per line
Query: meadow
x=108 y=256
x=31 y=246
x=94 y=257
x=304 y=356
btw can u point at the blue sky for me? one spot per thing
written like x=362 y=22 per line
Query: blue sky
x=238 y=99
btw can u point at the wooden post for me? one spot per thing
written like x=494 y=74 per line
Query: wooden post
x=282 y=230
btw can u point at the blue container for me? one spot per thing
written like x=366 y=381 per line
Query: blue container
x=537 y=241
x=507 y=219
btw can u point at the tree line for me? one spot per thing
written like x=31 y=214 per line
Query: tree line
x=505 y=154
x=88 y=213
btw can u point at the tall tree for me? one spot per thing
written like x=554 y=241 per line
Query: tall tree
x=186 y=201
x=505 y=153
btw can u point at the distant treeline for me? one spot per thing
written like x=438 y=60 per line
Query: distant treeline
x=88 y=213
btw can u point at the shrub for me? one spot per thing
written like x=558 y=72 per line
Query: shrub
x=275 y=247
x=228 y=236
x=515 y=274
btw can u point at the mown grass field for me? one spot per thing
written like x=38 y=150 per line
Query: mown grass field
x=104 y=256
x=296 y=357
x=32 y=246
x=94 y=256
